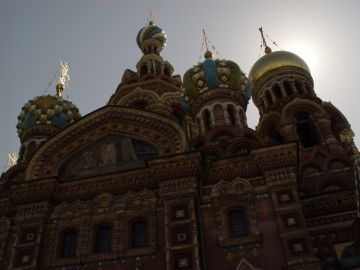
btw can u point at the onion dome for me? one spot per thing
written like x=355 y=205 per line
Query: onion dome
x=273 y=60
x=151 y=32
x=212 y=74
x=47 y=110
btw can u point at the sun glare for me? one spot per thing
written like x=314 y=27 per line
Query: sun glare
x=304 y=51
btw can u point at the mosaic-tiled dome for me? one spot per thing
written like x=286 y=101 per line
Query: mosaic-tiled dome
x=217 y=73
x=47 y=110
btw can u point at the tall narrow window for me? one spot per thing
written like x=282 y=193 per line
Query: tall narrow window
x=268 y=97
x=299 y=87
x=231 y=113
x=219 y=115
x=139 y=231
x=237 y=223
x=277 y=91
x=103 y=239
x=207 y=120
x=143 y=70
x=68 y=248
x=305 y=129
x=288 y=88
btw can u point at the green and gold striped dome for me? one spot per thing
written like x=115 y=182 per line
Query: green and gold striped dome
x=151 y=31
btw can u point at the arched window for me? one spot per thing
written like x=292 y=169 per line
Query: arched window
x=166 y=71
x=305 y=129
x=157 y=67
x=139 y=234
x=143 y=70
x=299 y=87
x=207 y=120
x=231 y=113
x=68 y=247
x=237 y=223
x=277 y=91
x=103 y=239
x=268 y=97
x=219 y=115
x=288 y=88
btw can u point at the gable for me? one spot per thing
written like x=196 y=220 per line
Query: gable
x=141 y=128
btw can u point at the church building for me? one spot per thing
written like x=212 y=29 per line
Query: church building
x=169 y=176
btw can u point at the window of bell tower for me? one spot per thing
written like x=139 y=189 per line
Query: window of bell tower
x=231 y=113
x=207 y=120
x=143 y=70
x=219 y=115
x=305 y=130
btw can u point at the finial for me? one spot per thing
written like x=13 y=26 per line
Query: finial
x=208 y=53
x=63 y=78
x=12 y=160
x=151 y=18
x=267 y=48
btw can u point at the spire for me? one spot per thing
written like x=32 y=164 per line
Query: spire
x=63 y=78
x=267 y=48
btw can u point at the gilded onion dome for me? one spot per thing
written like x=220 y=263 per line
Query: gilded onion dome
x=212 y=74
x=151 y=32
x=47 y=110
x=273 y=60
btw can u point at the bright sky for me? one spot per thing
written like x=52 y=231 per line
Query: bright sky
x=97 y=39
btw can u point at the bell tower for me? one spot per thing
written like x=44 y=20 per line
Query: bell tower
x=290 y=111
x=218 y=93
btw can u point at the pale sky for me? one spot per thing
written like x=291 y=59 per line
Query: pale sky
x=97 y=39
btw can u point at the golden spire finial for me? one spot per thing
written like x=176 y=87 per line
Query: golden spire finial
x=63 y=78
x=267 y=48
x=12 y=160
x=151 y=17
x=208 y=53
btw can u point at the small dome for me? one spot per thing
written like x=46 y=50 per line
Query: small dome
x=275 y=60
x=151 y=31
x=47 y=110
x=213 y=74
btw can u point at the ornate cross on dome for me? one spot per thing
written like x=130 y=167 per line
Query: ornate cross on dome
x=208 y=53
x=63 y=78
x=267 y=48
x=151 y=17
